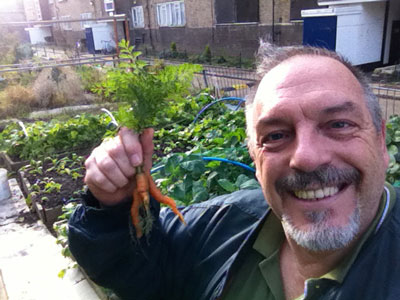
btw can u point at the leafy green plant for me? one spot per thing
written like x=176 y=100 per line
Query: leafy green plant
x=393 y=144
x=90 y=77
x=146 y=91
x=189 y=179
x=46 y=138
x=61 y=230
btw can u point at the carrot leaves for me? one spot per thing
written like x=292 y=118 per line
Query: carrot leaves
x=145 y=91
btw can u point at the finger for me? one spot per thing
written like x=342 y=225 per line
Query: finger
x=146 y=139
x=116 y=150
x=95 y=179
x=109 y=168
x=132 y=146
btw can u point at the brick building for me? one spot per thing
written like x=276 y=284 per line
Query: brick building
x=69 y=33
x=230 y=27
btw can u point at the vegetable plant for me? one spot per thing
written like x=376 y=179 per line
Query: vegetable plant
x=47 y=138
x=145 y=91
x=393 y=144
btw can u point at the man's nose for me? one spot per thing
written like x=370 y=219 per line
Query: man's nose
x=311 y=150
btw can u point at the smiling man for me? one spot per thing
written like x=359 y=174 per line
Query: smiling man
x=323 y=226
x=318 y=142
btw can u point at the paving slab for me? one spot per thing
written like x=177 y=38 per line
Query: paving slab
x=30 y=259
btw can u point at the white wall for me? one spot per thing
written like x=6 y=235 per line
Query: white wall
x=105 y=32
x=37 y=34
x=360 y=32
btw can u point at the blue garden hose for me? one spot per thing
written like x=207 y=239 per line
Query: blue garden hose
x=209 y=158
x=241 y=100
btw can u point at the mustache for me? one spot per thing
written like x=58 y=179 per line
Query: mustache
x=325 y=175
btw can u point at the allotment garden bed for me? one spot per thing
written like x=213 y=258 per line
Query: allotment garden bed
x=193 y=161
x=50 y=184
x=51 y=180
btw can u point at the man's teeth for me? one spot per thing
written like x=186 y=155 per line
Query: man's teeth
x=316 y=194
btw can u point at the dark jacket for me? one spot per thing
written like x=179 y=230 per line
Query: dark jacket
x=194 y=261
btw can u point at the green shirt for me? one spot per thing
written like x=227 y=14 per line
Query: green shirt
x=260 y=277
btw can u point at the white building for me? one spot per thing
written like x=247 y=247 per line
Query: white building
x=364 y=31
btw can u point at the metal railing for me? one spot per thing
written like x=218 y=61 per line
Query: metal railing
x=388 y=97
x=222 y=81
x=225 y=81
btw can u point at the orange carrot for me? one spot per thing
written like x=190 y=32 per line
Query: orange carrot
x=144 y=186
x=136 y=203
x=157 y=195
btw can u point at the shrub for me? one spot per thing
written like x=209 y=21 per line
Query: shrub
x=207 y=54
x=57 y=87
x=23 y=51
x=173 y=47
x=90 y=77
x=15 y=100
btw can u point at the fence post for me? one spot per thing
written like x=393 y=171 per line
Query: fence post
x=205 y=78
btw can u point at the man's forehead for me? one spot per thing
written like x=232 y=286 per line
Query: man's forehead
x=299 y=66
x=301 y=75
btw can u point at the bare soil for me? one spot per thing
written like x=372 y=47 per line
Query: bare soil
x=68 y=192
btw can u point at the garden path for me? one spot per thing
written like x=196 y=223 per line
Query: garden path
x=30 y=259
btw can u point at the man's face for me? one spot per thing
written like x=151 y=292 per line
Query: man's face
x=319 y=158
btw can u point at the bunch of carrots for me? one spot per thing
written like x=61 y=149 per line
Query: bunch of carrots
x=146 y=92
x=146 y=187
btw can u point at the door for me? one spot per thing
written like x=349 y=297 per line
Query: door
x=320 y=32
x=394 y=56
x=89 y=40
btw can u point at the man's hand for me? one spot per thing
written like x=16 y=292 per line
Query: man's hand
x=111 y=166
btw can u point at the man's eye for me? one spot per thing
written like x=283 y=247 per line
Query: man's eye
x=275 y=136
x=339 y=124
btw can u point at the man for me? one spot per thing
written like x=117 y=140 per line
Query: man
x=330 y=230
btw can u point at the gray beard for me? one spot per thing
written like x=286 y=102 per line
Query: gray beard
x=322 y=236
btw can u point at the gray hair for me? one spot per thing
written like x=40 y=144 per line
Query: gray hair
x=269 y=56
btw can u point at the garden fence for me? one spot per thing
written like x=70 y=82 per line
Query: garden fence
x=225 y=81
x=388 y=97
x=222 y=81
x=234 y=82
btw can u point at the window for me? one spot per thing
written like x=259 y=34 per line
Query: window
x=66 y=25
x=86 y=23
x=38 y=11
x=171 y=14
x=109 y=5
x=236 y=11
x=137 y=16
